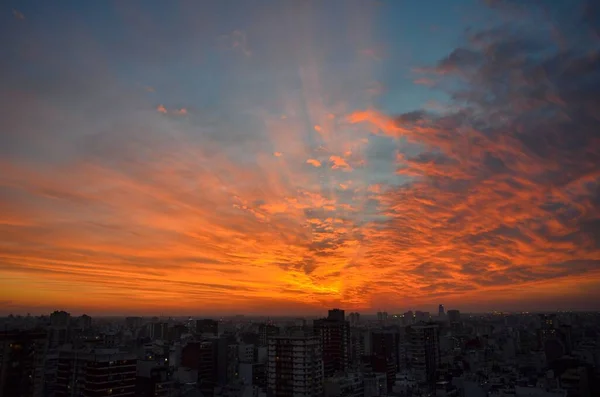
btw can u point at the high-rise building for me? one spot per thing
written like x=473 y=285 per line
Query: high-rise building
x=295 y=366
x=385 y=349
x=453 y=316
x=95 y=372
x=22 y=363
x=424 y=351
x=334 y=333
x=441 y=311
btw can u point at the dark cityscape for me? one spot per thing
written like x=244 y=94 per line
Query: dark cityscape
x=443 y=354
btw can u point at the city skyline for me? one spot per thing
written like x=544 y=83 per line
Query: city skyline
x=288 y=157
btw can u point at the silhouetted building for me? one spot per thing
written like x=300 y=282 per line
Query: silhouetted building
x=385 y=348
x=334 y=333
x=454 y=316
x=354 y=318
x=295 y=366
x=213 y=359
x=424 y=351
x=159 y=330
x=441 y=311
x=22 y=363
x=85 y=322
x=95 y=372
x=153 y=380
x=207 y=327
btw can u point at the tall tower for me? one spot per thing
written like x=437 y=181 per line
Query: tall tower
x=424 y=351
x=295 y=366
x=441 y=311
x=334 y=334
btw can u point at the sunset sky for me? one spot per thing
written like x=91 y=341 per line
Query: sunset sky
x=285 y=157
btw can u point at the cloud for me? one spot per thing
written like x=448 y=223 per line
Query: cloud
x=314 y=162
x=181 y=112
x=502 y=184
x=487 y=199
x=338 y=162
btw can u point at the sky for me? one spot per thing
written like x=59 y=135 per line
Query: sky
x=285 y=157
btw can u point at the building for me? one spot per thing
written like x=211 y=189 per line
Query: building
x=354 y=318
x=253 y=374
x=207 y=327
x=265 y=331
x=441 y=311
x=424 y=352
x=382 y=317
x=295 y=366
x=384 y=354
x=95 y=372
x=246 y=353
x=154 y=380
x=214 y=360
x=454 y=316
x=334 y=333
x=84 y=322
x=22 y=363
x=422 y=316
x=159 y=330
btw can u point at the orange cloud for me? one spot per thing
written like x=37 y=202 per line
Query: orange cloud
x=339 y=163
x=277 y=154
x=313 y=162
x=161 y=109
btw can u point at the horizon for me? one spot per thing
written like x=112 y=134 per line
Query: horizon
x=289 y=156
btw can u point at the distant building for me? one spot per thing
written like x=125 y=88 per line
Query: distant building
x=422 y=316
x=207 y=326
x=454 y=316
x=22 y=363
x=441 y=311
x=85 y=322
x=133 y=322
x=354 y=318
x=295 y=366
